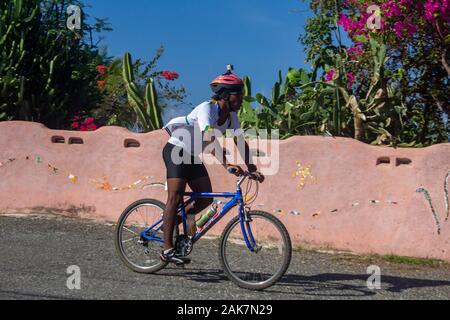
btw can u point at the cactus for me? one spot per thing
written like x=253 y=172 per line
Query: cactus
x=127 y=68
x=16 y=22
x=39 y=57
x=145 y=105
x=247 y=86
x=26 y=76
x=151 y=98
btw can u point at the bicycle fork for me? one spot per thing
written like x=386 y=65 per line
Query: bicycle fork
x=245 y=220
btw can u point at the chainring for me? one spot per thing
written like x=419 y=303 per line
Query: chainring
x=183 y=245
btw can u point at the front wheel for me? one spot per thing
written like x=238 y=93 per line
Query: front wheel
x=270 y=258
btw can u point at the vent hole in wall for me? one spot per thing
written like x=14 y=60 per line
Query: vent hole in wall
x=76 y=141
x=383 y=160
x=403 y=161
x=58 y=139
x=131 y=143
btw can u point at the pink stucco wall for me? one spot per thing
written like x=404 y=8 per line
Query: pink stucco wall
x=353 y=203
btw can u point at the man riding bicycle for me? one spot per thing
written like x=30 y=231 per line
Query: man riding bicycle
x=216 y=115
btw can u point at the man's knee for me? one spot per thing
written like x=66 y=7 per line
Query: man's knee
x=204 y=203
x=174 y=198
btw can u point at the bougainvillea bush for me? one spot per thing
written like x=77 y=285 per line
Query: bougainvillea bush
x=84 y=124
x=388 y=63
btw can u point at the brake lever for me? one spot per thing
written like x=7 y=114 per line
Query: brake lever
x=252 y=176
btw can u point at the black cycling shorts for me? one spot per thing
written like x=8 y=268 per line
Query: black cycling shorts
x=190 y=170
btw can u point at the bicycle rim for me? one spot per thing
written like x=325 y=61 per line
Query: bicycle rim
x=138 y=255
x=264 y=267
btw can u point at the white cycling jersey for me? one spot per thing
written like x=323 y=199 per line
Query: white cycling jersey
x=186 y=132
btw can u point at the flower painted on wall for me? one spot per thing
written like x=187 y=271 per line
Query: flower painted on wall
x=303 y=173
x=105 y=185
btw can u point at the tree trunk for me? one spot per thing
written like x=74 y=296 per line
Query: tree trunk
x=444 y=61
x=359 y=129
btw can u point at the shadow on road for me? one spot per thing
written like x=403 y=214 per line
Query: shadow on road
x=336 y=284
x=322 y=285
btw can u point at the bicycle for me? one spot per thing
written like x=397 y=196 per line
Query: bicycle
x=267 y=249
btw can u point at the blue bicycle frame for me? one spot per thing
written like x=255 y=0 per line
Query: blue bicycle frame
x=236 y=199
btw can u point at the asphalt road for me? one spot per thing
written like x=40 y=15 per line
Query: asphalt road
x=36 y=251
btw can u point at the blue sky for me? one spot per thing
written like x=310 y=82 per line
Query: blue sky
x=201 y=36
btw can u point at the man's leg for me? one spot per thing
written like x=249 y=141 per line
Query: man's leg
x=176 y=187
x=202 y=184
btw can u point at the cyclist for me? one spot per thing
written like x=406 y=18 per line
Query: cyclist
x=208 y=118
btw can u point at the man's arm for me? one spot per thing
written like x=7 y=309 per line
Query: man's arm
x=222 y=151
x=208 y=136
x=247 y=156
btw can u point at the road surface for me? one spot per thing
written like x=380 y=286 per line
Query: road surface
x=36 y=252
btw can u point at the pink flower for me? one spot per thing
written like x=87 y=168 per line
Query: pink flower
x=431 y=10
x=355 y=51
x=75 y=125
x=436 y=8
x=411 y=28
x=351 y=80
x=89 y=121
x=353 y=27
x=398 y=29
x=330 y=75
x=360 y=26
x=401 y=27
x=345 y=22
x=392 y=9
x=91 y=127
x=445 y=7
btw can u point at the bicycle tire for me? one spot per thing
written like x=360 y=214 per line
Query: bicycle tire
x=118 y=237
x=286 y=259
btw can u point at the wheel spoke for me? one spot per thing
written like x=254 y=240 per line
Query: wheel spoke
x=129 y=230
x=128 y=240
x=263 y=267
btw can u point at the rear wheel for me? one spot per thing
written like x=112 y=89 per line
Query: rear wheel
x=141 y=255
x=269 y=261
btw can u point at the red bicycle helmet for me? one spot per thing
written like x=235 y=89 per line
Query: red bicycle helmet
x=227 y=82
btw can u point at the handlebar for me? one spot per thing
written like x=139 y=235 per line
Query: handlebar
x=245 y=174
x=232 y=170
x=242 y=177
